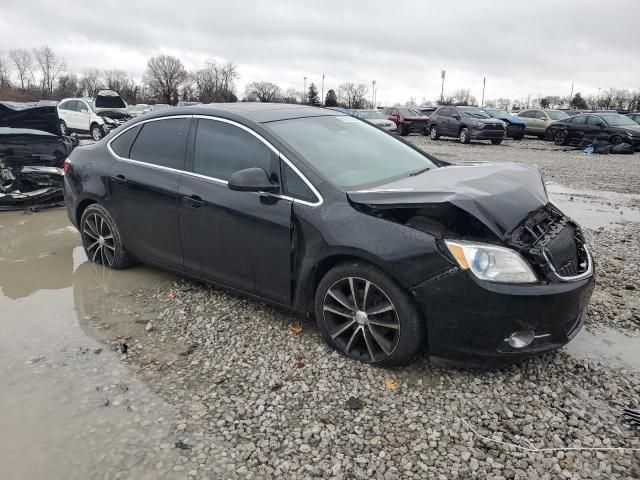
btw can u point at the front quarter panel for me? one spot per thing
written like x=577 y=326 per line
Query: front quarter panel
x=337 y=230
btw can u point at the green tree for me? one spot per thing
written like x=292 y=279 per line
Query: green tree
x=313 y=97
x=331 y=100
x=578 y=102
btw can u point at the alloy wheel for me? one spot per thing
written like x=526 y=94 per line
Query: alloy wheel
x=361 y=319
x=433 y=134
x=463 y=136
x=560 y=138
x=96 y=133
x=98 y=239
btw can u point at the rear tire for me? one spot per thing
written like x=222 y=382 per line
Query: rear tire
x=403 y=129
x=560 y=138
x=496 y=142
x=433 y=132
x=382 y=327
x=463 y=136
x=102 y=240
x=63 y=128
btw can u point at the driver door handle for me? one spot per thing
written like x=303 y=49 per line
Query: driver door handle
x=194 y=200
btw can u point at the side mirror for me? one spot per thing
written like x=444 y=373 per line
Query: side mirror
x=251 y=180
x=456 y=116
x=84 y=111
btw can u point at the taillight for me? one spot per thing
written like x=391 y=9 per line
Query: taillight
x=67 y=165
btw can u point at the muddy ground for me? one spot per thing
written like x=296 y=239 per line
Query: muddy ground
x=138 y=374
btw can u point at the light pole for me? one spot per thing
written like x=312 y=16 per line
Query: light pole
x=373 y=94
x=442 y=75
x=484 y=84
x=322 y=94
x=304 y=91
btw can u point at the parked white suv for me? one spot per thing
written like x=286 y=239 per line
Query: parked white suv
x=95 y=117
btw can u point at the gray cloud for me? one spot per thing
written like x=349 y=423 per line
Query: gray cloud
x=521 y=48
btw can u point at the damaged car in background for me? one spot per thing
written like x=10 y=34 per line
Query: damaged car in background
x=32 y=155
x=391 y=250
x=95 y=117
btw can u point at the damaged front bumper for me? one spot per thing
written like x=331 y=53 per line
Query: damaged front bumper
x=470 y=321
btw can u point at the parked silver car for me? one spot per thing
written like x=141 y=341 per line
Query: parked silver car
x=537 y=120
x=377 y=117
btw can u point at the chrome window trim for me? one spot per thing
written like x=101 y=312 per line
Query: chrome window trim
x=219 y=180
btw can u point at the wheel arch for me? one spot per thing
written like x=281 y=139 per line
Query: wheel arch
x=82 y=206
x=338 y=258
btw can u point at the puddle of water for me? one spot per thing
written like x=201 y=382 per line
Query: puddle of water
x=606 y=345
x=595 y=208
x=65 y=410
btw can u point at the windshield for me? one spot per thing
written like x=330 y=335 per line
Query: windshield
x=498 y=113
x=615 y=120
x=407 y=112
x=473 y=112
x=555 y=115
x=371 y=114
x=348 y=152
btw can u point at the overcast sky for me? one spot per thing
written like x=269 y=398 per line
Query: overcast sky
x=536 y=48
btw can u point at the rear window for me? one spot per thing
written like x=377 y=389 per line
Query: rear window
x=162 y=143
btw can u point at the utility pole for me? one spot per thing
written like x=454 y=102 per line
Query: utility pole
x=304 y=91
x=442 y=75
x=484 y=84
x=571 y=96
x=322 y=94
x=373 y=94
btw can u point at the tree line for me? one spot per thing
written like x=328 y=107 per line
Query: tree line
x=40 y=73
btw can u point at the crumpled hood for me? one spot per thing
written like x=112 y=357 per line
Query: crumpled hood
x=19 y=116
x=498 y=195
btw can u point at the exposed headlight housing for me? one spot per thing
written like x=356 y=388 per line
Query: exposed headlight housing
x=491 y=263
x=477 y=124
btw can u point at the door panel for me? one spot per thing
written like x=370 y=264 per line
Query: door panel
x=146 y=211
x=240 y=239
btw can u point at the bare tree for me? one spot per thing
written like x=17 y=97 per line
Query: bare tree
x=462 y=96
x=121 y=82
x=164 y=76
x=292 y=96
x=215 y=82
x=5 y=80
x=23 y=62
x=50 y=65
x=262 y=92
x=90 y=82
x=352 y=95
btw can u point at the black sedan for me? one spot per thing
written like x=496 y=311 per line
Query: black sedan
x=612 y=127
x=390 y=249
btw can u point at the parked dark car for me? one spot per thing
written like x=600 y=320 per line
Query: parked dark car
x=391 y=249
x=466 y=124
x=612 y=127
x=32 y=155
x=426 y=111
x=515 y=125
x=635 y=116
x=407 y=120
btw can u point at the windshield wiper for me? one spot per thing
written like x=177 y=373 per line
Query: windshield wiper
x=418 y=172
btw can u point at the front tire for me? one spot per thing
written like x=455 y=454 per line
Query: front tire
x=367 y=316
x=96 y=132
x=496 y=141
x=433 y=133
x=616 y=140
x=404 y=130
x=102 y=240
x=463 y=136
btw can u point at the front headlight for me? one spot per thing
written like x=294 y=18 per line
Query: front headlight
x=108 y=120
x=491 y=263
x=477 y=124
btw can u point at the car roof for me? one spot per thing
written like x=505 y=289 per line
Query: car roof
x=253 y=111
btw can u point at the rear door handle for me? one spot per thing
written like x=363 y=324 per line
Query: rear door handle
x=119 y=179
x=194 y=200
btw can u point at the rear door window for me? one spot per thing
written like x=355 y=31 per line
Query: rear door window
x=540 y=115
x=594 y=121
x=526 y=114
x=222 y=149
x=162 y=143
x=121 y=145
